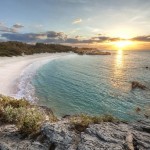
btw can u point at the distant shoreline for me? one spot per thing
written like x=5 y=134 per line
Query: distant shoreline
x=14 y=48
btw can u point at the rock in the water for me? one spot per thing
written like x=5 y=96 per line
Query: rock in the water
x=136 y=84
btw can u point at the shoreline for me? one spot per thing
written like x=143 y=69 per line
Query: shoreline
x=14 y=69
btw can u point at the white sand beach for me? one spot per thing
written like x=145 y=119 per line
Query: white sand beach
x=13 y=69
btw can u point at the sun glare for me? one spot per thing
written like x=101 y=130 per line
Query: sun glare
x=122 y=44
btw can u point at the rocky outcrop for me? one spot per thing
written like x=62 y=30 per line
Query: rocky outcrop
x=104 y=136
x=93 y=52
x=136 y=84
x=61 y=136
x=10 y=139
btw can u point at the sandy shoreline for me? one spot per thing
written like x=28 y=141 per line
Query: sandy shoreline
x=13 y=68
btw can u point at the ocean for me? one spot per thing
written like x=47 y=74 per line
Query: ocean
x=95 y=85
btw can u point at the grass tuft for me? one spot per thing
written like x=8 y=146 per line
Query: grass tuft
x=81 y=122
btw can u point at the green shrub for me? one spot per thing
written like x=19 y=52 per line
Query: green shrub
x=15 y=103
x=10 y=114
x=31 y=121
x=28 y=118
x=81 y=122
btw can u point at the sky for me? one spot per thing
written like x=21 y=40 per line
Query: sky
x=106 y=24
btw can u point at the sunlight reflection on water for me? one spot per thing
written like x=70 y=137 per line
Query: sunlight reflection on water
x=118 y=72
x=94 y=84
x=119 y=60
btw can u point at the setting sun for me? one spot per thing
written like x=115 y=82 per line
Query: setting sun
x=122 y=44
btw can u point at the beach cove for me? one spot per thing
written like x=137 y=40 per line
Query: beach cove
x=71 y=84
x=12 y=68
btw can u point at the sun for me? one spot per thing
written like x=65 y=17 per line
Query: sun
x=122 y=44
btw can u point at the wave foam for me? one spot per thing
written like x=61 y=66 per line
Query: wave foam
x=24 y=87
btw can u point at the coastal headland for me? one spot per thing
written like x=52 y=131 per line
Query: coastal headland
x=30 y=127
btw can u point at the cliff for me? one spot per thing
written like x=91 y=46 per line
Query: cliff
x=26 y=126
x=60 y=136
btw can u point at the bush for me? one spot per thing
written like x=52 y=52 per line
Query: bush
x=28 y=118
x=81 y=122
x=10 y=114
x=9 y=101
x=31 y=121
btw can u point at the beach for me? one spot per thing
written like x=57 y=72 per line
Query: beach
x=18 y=69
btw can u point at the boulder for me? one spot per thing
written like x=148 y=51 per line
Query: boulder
x=136 y=84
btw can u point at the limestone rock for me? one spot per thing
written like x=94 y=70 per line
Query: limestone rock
x=104 y=136
x=61 y=136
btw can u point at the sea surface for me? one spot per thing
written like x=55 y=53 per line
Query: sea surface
x=95 y=85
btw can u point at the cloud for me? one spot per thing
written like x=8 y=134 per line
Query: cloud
x=54 y=37
x=78 y=36
x=53 y=34
x=14 y=29
x=102 y=38
x=49 y=36
x=17 y=25
x=76 y=21
x=4 y=28
x=62 y=38
x=145 y=38
x=29 y=37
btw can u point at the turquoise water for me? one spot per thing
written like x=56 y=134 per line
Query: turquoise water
x=95 y=84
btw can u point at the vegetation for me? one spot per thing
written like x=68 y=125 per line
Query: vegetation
x=27 y=117
x=14 y=48
x=81 y=122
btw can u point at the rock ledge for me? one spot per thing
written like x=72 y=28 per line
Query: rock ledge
x=60 y=136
